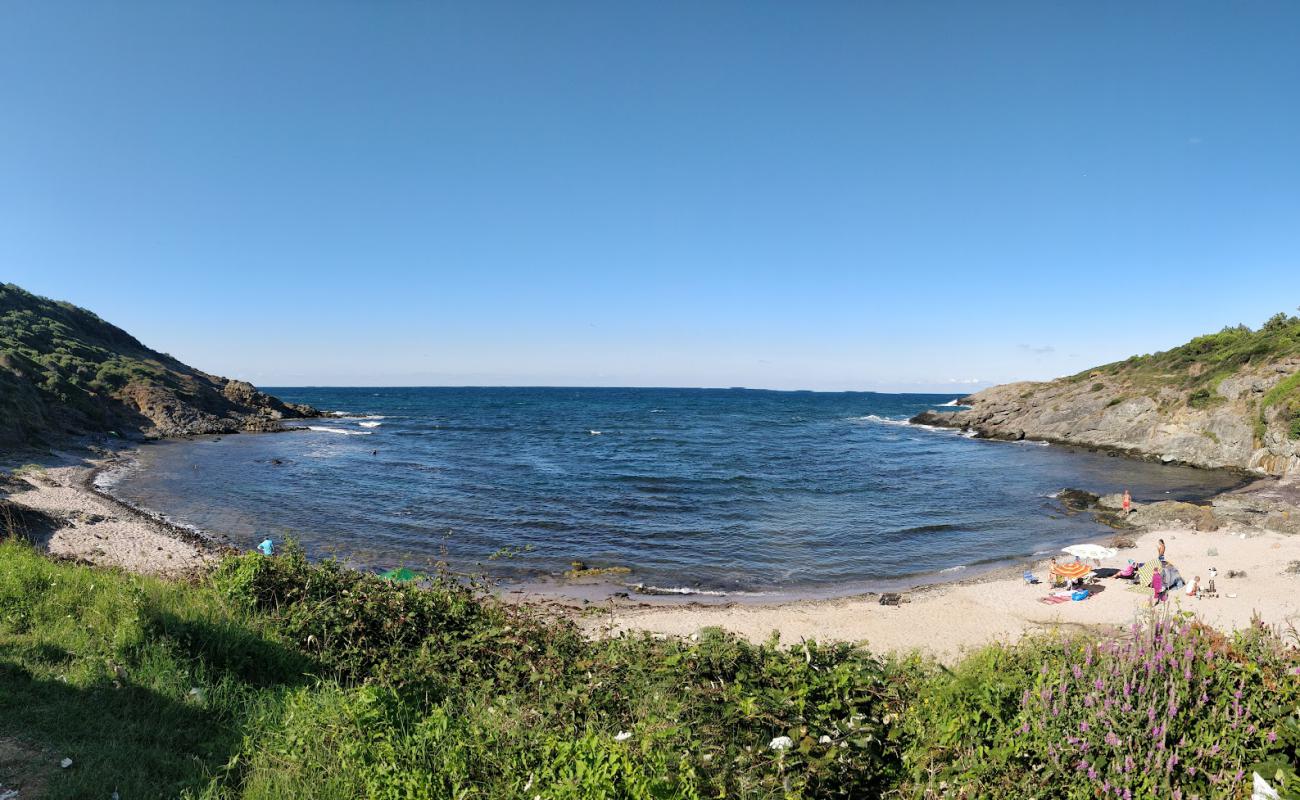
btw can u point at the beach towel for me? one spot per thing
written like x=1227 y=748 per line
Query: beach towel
x=1052 y=599
x=1144 y=574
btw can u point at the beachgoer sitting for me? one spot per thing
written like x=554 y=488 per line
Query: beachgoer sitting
x=1130 y=569
x=1194 y=589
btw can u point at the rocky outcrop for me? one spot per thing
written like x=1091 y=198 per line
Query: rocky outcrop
x=1230 y=427
x=1265 y=505
x=235 y=407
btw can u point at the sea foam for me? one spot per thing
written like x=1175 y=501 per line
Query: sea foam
x=325 y=429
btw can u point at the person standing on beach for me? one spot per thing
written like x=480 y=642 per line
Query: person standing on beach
x=1160 y=550
x=1128 y=502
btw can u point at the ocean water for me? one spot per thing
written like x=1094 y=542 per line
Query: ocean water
x=711 y=491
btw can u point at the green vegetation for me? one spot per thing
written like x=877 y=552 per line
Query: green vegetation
x=1195 y=370
x=65 y=370
x=276 y=678
x=60 y=364
x=1206 y=360
x=1286 y=397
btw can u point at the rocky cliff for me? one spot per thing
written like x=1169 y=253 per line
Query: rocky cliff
x=64 y=371
x=1230 y=399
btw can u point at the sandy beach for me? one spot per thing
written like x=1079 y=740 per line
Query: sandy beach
x=945 y=620
x=99 y=530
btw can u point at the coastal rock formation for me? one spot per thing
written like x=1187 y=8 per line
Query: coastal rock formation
x=1228 y=400
x=1263 y=506
x=66 y=372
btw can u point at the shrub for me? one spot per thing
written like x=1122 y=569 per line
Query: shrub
x=1172 y=709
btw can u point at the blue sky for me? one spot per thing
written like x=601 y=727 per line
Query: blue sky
x=895 y=196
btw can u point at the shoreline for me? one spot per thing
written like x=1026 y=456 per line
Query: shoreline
x=552 y=586
x=949 y=619
x=942 y=618
x=94 y=527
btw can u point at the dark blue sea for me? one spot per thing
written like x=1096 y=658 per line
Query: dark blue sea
x=734 y=491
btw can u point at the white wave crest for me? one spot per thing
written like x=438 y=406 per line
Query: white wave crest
x=642 y=588
x=325 y=429
x=957 y=568
x=887 y=420
x=594 y=433
x=953 y=403
x=370 y=424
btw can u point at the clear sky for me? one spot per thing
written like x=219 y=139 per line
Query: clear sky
x=864 y=195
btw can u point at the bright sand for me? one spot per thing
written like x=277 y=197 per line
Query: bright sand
x=947 y=619
x=106 y=533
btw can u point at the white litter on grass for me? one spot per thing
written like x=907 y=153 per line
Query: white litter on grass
x=781 y=743
x=622 y=736
x=8 y=794
x=1259 y=791
x=65 y=763
x=824 y=739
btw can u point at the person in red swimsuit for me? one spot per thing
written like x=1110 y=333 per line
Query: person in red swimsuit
x=1128 y=503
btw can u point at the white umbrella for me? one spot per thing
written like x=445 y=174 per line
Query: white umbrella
x=1090 y=552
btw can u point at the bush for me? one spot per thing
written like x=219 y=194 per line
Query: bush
x=288 y=679
x=1172 y=709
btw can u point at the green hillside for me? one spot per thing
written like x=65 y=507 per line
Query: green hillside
x=1196 y=369
x=63 y=370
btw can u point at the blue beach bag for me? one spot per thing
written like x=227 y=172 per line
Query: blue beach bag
x=1079 y=594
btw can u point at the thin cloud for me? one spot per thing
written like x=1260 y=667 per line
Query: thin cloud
x=1040 y=350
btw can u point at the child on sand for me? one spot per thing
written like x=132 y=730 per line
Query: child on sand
x=1157 y=587
x=1194 y=588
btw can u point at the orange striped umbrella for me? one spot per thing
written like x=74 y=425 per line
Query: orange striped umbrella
x=1072 y=571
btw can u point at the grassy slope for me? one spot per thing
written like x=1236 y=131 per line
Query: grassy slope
x=316 y=681
x=63 y=369
x=1196 y=369
x=60 y=362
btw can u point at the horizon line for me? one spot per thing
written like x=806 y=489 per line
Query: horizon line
x=606 y=388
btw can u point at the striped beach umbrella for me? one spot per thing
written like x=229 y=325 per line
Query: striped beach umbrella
x=1072 y=572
